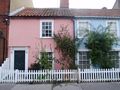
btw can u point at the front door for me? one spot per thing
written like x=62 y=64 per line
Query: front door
x=19 y=59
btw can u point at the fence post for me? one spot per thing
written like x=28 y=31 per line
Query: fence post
x=78 y=75
x=16 y=74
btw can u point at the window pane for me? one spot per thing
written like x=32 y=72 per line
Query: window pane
x=46 y=34
x=43 y=27
x=50 y=55
x=50 y=27
x=47 y=27
x=43 y=23
x=46 y=31
x=50 y=24
x=46 y=23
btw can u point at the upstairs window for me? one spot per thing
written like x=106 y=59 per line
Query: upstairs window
x=46 y=30
x=113 y=27
x=83 y=26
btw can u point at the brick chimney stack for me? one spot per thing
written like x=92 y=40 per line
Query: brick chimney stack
x=64 y=3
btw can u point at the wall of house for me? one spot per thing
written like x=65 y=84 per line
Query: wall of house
x=26 y=33
x=94 y=23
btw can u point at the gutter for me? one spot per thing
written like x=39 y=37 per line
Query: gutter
x=103 y=17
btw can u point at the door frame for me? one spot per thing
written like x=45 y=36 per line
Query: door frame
x=13 y=54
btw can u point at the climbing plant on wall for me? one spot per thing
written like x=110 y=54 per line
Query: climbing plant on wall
x=100 y=42
x=65 y=44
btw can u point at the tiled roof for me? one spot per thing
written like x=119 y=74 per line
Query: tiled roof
x=44 y=12
x=96 y=12
x=68 y=12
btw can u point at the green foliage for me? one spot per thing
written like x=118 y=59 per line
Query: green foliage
x=66 y=47
x=100 y=42
x=35 y=66
x=43 y=61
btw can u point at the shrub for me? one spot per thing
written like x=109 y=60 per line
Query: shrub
x=100 y=42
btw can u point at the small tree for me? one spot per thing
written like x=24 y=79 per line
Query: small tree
x=42 y=60
x=65 y=44
x=100 y=42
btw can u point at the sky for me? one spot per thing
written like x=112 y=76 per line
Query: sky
x=84 y=4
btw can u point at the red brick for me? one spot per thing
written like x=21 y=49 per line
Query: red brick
x=4 y=10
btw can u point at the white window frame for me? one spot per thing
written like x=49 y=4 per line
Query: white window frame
x=82 y=50
x=116 y=25
x=41 y=21
x=77 y=31
x=12 y=53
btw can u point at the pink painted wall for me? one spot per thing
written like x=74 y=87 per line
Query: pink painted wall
x=26 y=32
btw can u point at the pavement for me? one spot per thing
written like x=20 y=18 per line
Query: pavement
x=63 y=86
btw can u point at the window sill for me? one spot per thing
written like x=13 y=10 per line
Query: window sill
x=46 y=37
x=81 y=37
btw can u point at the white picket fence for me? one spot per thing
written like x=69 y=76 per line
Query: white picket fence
x=20 y=76
x=6 y=64
x=99 y=75
x=86 y=75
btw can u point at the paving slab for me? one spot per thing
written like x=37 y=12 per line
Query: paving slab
x=32 y=87
x=6 y=86
x=100 y=86
x=66 y=86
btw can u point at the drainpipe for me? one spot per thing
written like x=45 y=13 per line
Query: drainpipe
x=7 y=28
x=74 y=33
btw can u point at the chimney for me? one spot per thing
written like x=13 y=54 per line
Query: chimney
x=64 y=3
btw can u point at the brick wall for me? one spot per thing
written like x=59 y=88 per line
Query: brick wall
x=4 y=10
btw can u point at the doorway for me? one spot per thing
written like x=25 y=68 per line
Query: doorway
x=19 y=58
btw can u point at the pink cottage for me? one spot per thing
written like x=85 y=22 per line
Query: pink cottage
x=31 y=29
